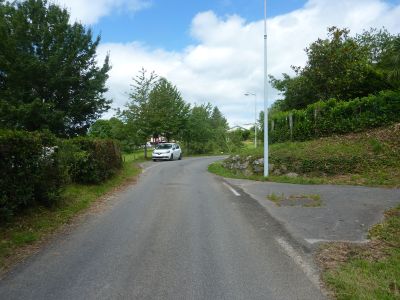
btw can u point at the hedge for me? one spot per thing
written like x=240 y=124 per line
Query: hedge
x=89 y=160
x=30 y=170
x=35 y=166
x=335 y=117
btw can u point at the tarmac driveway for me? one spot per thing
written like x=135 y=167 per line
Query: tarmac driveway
x=346 y=212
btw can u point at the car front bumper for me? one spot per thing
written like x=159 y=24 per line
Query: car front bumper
x=163 y=156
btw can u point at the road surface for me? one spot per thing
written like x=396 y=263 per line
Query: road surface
x=179 y=233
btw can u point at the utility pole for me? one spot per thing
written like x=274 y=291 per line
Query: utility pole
x=255 y=116
x=266 y=166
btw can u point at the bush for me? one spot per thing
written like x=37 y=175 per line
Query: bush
x=90 y=160
x=30 y=170
x=335 y=117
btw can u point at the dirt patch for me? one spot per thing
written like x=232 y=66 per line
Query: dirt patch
x=312 y=200
x=332 y=255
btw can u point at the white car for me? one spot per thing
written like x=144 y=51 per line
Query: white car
x=167 y=151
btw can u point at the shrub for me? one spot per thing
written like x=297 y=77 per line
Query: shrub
x=335 y=117
x=90 y=160
x=30 y=171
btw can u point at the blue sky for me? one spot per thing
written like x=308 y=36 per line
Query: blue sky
x=165 y=23
x=212 y=50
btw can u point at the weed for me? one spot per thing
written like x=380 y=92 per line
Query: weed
x=377 y=146
x=276 y=198
x=371 y=271
x=312 y=200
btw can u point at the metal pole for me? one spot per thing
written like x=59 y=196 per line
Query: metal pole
x=266 y=166
x=255 y=116
x=255 y=120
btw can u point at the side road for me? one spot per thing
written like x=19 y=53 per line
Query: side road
x=345 y=213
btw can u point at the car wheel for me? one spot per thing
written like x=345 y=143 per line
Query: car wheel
x=154 y=159
x=180 y=156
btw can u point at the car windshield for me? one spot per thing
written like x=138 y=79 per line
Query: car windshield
x=164 y=146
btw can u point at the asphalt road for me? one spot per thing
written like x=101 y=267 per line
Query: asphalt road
x=179 y=233
x=346 y=213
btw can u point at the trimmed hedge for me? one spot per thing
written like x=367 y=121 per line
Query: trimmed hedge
x=35 y=166
x=31 y=173
x=335 y=117
x=89 y=160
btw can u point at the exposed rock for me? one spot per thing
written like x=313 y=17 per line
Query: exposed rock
x=292 y=175
x=243 y=166
x=259 y=161
x=277 y=172
x=250 y=165
x=258 y=169
x=247 y=172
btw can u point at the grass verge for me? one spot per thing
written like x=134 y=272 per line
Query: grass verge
x=370 y=271
x=218 y=169
x=19 y=237
x=370 y=158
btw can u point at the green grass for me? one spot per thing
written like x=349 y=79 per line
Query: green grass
x=218 y=169
x=316 y=200
x=39 y=222
x=312 y=200
x=137 y=156
x=276 y=198
x=371 y=272
x=369 y=158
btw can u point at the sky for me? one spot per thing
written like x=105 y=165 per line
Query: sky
x=212 y=50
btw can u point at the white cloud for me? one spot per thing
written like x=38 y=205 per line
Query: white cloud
x=89 y=12
x=227 y=59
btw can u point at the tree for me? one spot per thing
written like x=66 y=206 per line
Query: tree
x=391 y=62
x=218 y=120
x=261 y=124
x=297 y=91
x=136 y=114
x=394 y=72
x=166 y=112
x=338 y=67
x=198 y=134
x=205 y=130
x=220 y=129
x=49 y=78
x=115 y=129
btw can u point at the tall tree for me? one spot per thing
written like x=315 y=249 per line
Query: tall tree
x=391 y=63
x=220 y=129
x=337 y=67
x=198 y=134
x=166 y=112
x=116 y=129
x=136 y=114
x=217 y=119
x=49 y=77
x=394 y=73
x=340 y=67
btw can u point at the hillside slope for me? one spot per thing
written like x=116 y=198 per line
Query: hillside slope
x=365 y=158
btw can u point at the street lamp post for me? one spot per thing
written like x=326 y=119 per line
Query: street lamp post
x=266 y=167
x=255 y=117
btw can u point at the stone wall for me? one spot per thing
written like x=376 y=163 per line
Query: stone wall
x=252 y=165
